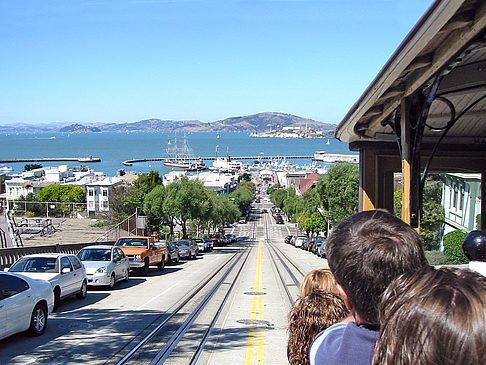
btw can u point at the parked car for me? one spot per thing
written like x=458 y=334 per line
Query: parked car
x=299 y=241
x=217 y=239
x=25 y=304
x=173 y=252
x=317 y=243
x=105 y=265
x=279 y=219
x=288 y=238
x=208 y=243
x=321 y=252
x=306 y=244
x=200 y=244
x=187 y=248
x=65 y=272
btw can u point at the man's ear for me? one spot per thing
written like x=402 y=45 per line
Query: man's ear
x=344 y=296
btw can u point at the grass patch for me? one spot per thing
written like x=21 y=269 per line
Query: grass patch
x=437 y=258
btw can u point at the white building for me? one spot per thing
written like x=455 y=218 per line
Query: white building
x=98 y=194
x=461 y=198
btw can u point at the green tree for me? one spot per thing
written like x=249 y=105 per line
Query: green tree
x=278 y=197
x=245 y=177
x=339 y=191
x=64 y=194
x=433 y=216
x=317 y=223
x=186 y=200
x=124 y=201
x=224 y=211
x=32 y=166
x=153 y=207
x=293 y=206
x=146 y=182
x=249 y=186
x=241 y=197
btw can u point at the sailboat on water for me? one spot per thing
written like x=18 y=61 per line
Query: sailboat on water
x=180 y=156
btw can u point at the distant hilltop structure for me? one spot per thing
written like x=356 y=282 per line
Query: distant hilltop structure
x=294 y=132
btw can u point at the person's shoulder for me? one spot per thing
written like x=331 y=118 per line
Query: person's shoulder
x=328 y=338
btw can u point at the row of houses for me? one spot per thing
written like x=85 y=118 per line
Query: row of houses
x=98 y=186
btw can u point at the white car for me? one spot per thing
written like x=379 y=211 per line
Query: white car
x=25 y=304
x=64 y=271
x=105 y=265
x=299 y=241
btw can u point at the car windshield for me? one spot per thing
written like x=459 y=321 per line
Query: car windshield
x=132 y=242
x=182 y=243
x=35 y=264
x=95 y=254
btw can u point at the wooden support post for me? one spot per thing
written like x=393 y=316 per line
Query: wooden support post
x=406 y=163
x=367 y=180
x=483 y=200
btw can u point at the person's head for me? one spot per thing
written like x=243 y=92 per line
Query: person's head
x=310 y=315
x=321 y=279
x=433 y=316
x=366 y=252
x=474 y=246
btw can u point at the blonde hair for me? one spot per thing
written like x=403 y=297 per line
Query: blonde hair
x=321 y=279
x=318 y=307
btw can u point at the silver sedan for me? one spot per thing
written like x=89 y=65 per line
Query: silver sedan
x=105 y=265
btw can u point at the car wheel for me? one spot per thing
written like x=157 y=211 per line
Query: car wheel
x=82 y=292
x=145 y=268
x=161 y=264
x=112 y=281
x=127 y=275
x=57 y=297
x=38 y=320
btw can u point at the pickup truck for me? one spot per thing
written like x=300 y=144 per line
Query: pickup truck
x=143 y=252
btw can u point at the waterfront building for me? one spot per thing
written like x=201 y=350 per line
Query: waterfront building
x=222 y=183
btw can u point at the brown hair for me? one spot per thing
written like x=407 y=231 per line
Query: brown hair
x=321 y=279
x=310 y=315
x=366 y=252
x=434 y=316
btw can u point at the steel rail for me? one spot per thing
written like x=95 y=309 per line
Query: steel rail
x=208 y=332
x=149 y=336
x=169 y=347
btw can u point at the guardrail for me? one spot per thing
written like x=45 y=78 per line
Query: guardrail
x=9 y=255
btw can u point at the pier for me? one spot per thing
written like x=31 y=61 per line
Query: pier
x=53 y=159
x=329 y=158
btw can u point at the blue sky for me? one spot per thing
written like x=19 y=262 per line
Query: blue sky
x=128 y=60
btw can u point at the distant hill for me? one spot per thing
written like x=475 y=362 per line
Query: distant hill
x=252 y=123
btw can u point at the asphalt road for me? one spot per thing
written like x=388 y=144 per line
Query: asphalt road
x=97 y=329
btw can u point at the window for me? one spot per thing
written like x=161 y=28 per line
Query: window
x=76 y=264
x=90 y=192
x=105 y=192
x=11 y=285
x=66 y=264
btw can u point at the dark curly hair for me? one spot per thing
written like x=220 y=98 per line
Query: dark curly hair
x=310 y=315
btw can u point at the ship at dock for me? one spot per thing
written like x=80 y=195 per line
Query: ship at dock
x=180 y=156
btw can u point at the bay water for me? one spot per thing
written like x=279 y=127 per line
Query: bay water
x=115 y=147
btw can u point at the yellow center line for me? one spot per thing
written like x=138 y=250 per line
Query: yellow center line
x=256 y=313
